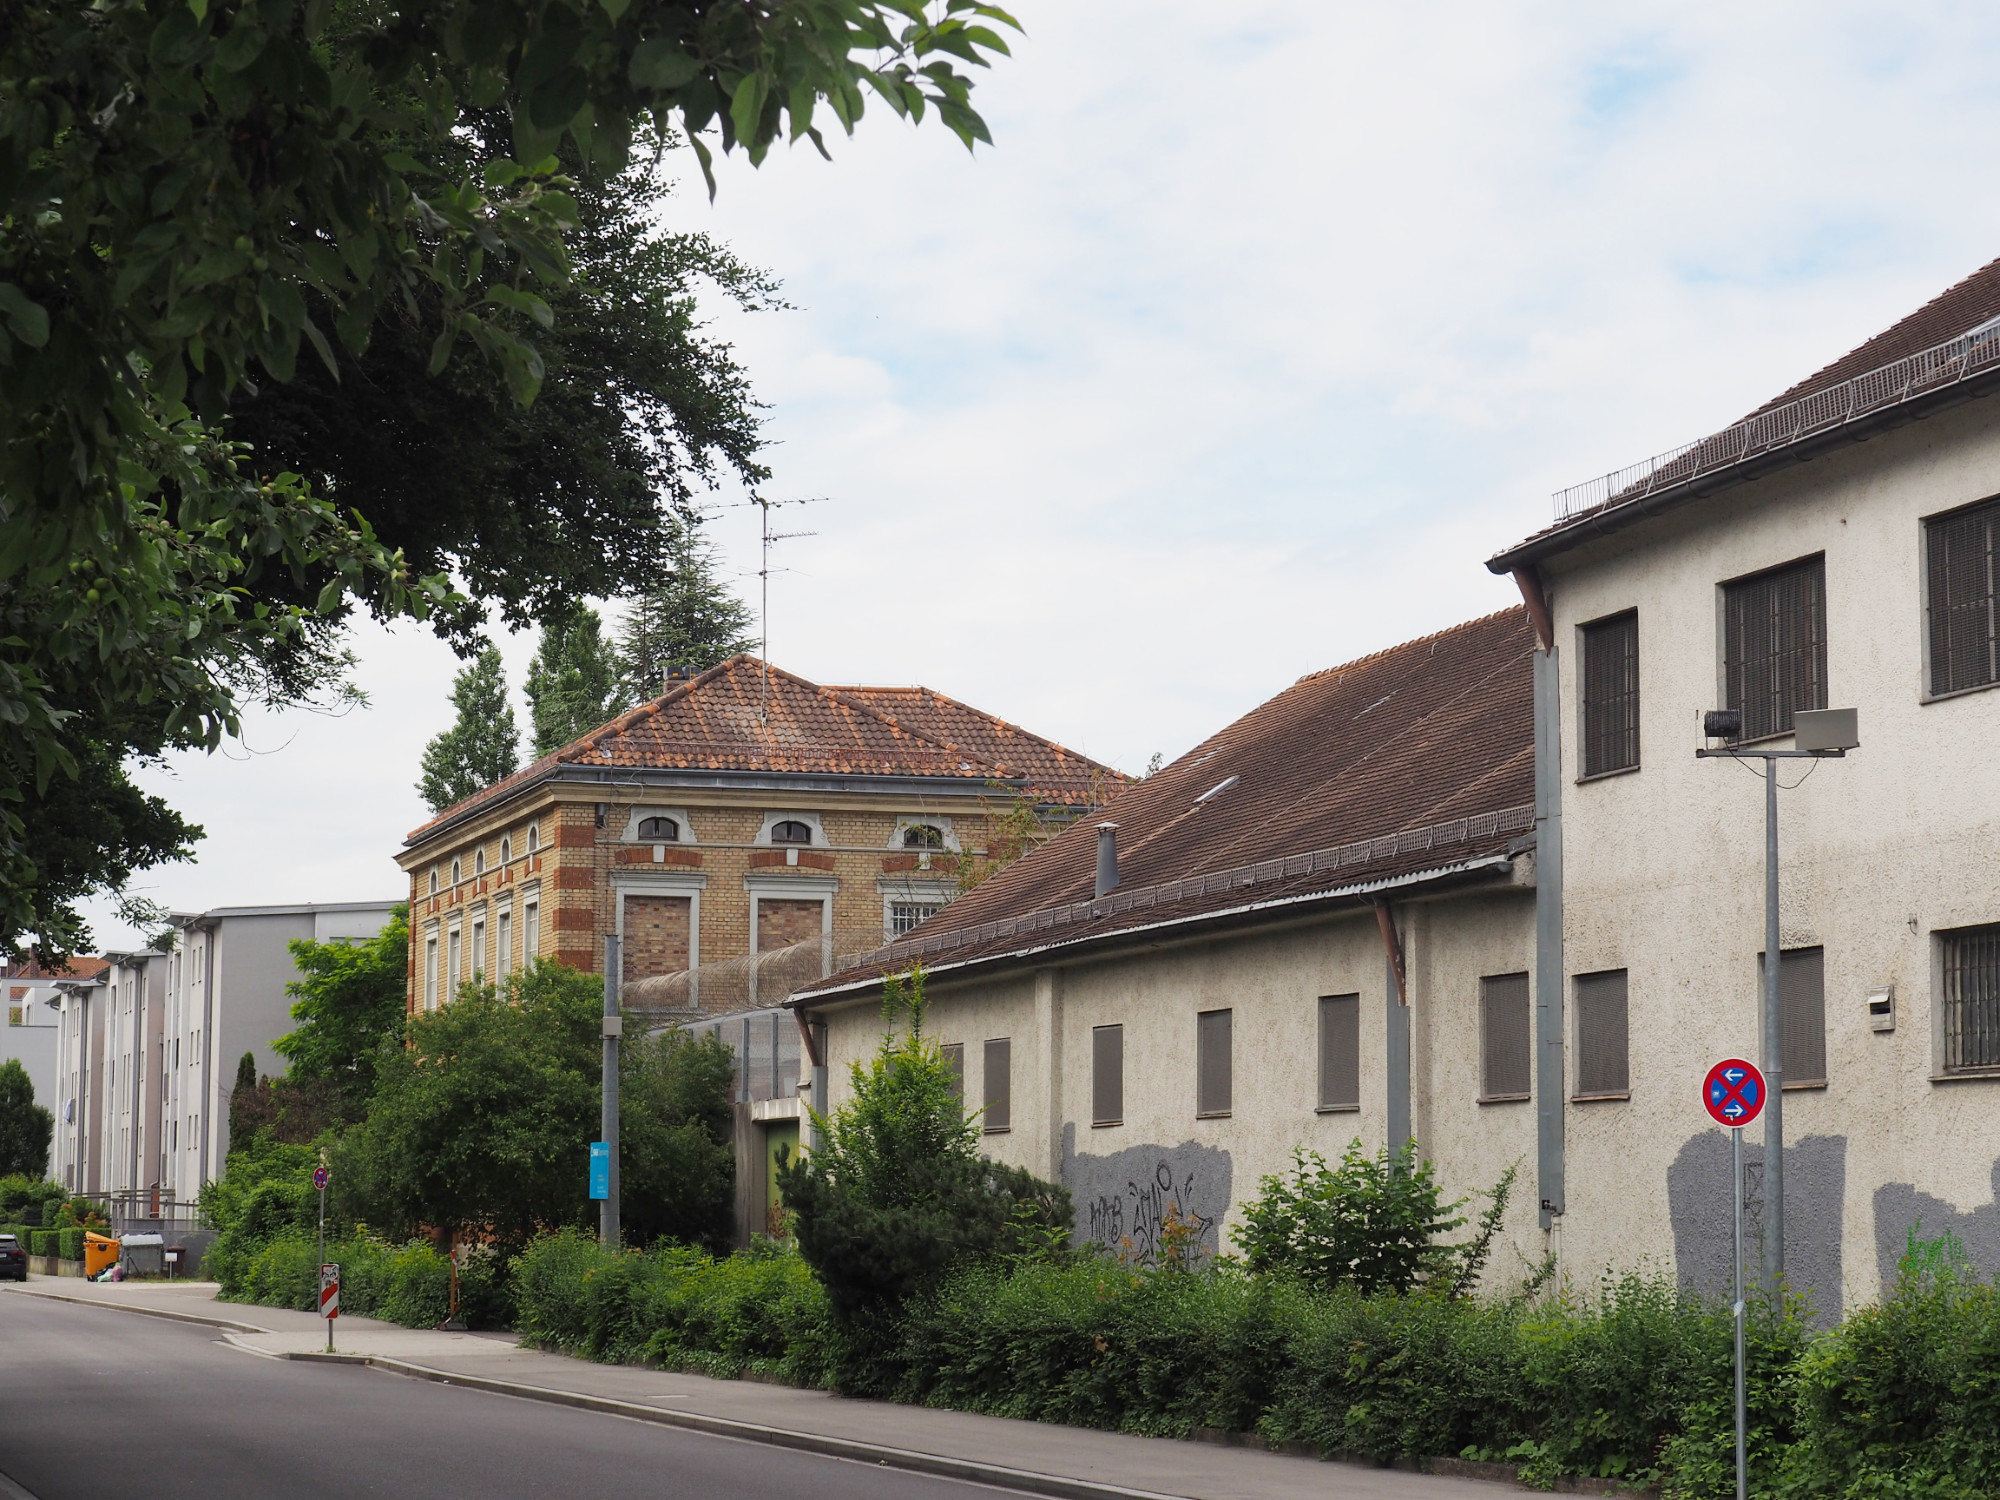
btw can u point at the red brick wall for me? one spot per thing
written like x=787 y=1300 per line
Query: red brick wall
x=782 y=923
x=656 y=935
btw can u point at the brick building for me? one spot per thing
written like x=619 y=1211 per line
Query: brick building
x=745 y=810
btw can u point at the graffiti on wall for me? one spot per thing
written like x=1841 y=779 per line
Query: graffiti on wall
x=1148 y=1200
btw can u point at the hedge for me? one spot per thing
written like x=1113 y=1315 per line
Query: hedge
x=407 y=1284
x=69 y=1244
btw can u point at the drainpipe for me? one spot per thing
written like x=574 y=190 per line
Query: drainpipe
x=1107 y=858
x=208 y=934
x=1397 y=1016
x=1550 y=1077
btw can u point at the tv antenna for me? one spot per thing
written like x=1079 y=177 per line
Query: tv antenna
x=764 y=586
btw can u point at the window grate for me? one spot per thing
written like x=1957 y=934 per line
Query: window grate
x=998 y=1115
x=1505 y=1055
x=1214 y=1083
x=1339 y=1051
x=1963 y=561
x=1972 y=999
x=1107 y=1075
x=1801 y=1012
x=905 y=915
x=1603 y=1059
x=1611 y=695
x=1774 y=646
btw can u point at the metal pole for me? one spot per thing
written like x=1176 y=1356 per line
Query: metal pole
x=1774 y=1050
x=1736 y=1147
x=614 y=1026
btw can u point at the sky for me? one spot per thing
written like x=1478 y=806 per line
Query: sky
x=1261 y=325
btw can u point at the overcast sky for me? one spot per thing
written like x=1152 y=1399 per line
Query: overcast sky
x=1261 y=326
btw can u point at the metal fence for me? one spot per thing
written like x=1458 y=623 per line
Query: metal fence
x=766 y=1047
x=1914 y=375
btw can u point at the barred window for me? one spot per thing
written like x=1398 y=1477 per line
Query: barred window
x=903 y=915
x=1107 y=1075
x=1611 y=694
x=1505 y=1054
x=1801 y=1013
x=1213 y=1082
x=1339 y=1052
x=999 y=1085
x=1962 y=559
x=660 y=830
x=1603 y=1061
x=1774 y=646
x=1971 y=999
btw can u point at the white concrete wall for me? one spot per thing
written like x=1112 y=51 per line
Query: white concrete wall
x=1879 y=851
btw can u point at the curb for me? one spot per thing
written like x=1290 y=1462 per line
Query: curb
x=876 y=1455
x=148 y=1312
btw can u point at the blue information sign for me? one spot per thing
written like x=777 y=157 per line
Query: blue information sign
x=600 y=1170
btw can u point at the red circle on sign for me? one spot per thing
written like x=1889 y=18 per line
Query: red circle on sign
x=1733 y=1092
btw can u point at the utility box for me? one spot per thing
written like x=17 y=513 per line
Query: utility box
x=144 y=1254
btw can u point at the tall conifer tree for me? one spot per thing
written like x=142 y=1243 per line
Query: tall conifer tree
x=572 y=682
x=692 y=621
x=482 y=746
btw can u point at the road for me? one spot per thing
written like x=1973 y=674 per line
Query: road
x=95 y=1403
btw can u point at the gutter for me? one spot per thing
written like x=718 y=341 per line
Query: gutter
x=1611 y=519
x=1123 y=936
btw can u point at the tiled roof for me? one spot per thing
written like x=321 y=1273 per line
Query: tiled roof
x=78 y=967
x=1964 y=307
x=745 y=716
x=1414 y=758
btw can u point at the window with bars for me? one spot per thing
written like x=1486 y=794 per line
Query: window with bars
x=1339 y=1052
x=1505 y=1056
x=1107 y=1075
x=1774 y=645
x=1213 y=1078
x=999 y=1085
x=1603 y=1059
x=1801 y=1014
x=1962 y=564
x=954 y=1061
x=1611 y=694
x=1971 y=999
x=903 y=915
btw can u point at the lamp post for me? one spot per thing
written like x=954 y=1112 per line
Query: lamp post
x=1818 y=734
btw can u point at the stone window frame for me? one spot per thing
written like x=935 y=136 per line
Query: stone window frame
x=638 y=814
x=506 y=850
x=903 y=890
x=534 y=837
x=636 y=880
x=821 y=888
x=812 y=820
x=940 y=821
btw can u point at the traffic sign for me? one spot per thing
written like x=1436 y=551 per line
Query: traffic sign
x=600 y=1170
x=1733 y=1093
x=329 y=1292
x=319 y=1178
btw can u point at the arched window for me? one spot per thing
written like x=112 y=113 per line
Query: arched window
x=791 y=831
x=454 y=872
x=479 y=861
x=534 y=837
x=507 y=850
x=434 y=880
x=923 y=836
x=660 y=830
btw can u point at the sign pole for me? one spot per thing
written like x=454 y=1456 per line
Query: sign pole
x=614 y=1026
x=1742 y=1474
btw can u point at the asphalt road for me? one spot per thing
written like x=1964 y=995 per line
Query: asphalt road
x=96 y=1403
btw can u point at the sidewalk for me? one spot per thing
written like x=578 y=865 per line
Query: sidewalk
x=1036 y=1457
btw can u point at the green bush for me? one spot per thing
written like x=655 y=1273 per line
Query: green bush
x=69 y=1244
x=407 y=1284
x=42 y=1242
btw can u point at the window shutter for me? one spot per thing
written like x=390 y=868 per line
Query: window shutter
x=1339 y=1051
x=1774 y=645
x=1212 y=1063
x=1506 y=1057
x=1802 y=1012
x=954 y=1059
x=1971 y=999
x=1962 y=560
x=1107 y=1075
x=1602 y=1061
x=999 y=1085
x=1611 y=695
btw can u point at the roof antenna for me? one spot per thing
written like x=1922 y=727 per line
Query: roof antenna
x=764 y=590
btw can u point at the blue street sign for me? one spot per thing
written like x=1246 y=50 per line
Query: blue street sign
x=600 y=1170
x=1733 y=1093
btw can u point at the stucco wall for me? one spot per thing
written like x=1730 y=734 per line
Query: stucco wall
x=1879 y=851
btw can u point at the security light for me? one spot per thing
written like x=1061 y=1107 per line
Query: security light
x=1826 y=731
x=1723 y=723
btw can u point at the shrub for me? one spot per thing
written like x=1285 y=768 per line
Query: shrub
x=42 y=1242
x=69 y=1244
x=551 y=1280
x=407 y=1284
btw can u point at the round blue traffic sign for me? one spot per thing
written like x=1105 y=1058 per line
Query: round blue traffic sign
x=319 y=1178
x=1733 y=1092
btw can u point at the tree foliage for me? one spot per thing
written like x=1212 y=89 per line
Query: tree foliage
x=482 y=746
x=572 y=682
x=26 y=1128
x=896 y=1192
x=349 y=1005
x=691 y=620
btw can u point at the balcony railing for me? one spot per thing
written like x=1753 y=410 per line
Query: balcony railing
x=1918 y=374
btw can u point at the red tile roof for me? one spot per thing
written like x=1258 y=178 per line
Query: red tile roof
x=745 y=716
x=78 y=967
x=1410 y=759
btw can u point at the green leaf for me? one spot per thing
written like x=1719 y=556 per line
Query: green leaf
x=746 y=106
x=661 y=64
x=28 y=319
x=555 y=103
x=615 y=8
x=330 y=597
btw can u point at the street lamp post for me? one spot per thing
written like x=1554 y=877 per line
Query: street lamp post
x=1818 y=734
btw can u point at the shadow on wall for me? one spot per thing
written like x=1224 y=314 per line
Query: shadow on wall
x=1899 y=1207
x=1698 y=1192
x=1122 y=1200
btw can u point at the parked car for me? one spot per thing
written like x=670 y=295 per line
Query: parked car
x=13 y=1259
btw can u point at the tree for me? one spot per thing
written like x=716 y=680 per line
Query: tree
x=691 y=621
x=350 y=1006
x=485 y=1118
x=572 y=682
x=482 y=746
x=195 y=190
x=26 y=1128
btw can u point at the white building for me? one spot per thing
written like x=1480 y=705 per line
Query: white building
x=29 y=1036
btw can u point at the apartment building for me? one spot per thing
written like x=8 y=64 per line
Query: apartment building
x=32 y=1023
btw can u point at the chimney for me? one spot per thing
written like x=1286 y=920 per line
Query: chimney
x=1107 y=858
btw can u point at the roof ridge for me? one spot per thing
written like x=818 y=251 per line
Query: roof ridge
x=1008 y=724
x=839 y=695
x=1435 y=635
